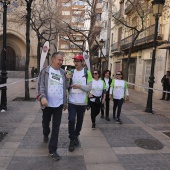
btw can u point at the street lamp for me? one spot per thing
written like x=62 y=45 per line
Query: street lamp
x=3 y=65
x=101 y=44
x=157 y=12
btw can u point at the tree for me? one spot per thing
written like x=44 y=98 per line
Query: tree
x=43 y=23
x=25 y=18
x=141 y=11
x=83 y=35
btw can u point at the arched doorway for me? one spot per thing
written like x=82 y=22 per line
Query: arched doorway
x=10 y=59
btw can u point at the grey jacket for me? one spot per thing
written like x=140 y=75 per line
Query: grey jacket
x=42 y=84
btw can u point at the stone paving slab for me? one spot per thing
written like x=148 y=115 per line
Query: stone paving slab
x=124 y=136
x=145 y=162
x=45 y=162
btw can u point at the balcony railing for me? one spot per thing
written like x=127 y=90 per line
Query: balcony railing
x=145 y=37
x=129 y=6
x=115 y=47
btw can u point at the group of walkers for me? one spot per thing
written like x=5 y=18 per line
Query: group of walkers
x=80 y=88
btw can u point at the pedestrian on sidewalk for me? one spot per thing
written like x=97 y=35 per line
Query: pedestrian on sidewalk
x=80 y=85
x=32 y=74
x=119 y=93
x=105 y=106
x=168 y=86
x=165 y=85
x=52 y=85
x=97 y=96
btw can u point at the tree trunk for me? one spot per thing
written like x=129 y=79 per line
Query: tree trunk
x=38 y=53
x=28 y=17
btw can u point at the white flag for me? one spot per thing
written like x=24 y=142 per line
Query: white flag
x=86 y=59
x=44 y=54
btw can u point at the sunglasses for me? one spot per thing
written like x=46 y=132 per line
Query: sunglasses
x=118 y=74
x=94 y=73
x=77 y=61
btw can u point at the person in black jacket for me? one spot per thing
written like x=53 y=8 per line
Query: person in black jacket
x=165 y=84
x=106 y=78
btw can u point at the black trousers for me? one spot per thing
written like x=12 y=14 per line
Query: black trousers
x=95 y=110
x=164 y=94
x=117 y=106
x=168 y=94
x=56 y=114
x=107 y=103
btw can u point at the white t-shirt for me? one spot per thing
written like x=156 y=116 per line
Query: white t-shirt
x=78 y=96
x=55 y=88
x=97 y=88
x=107 y=83
x=119 y=90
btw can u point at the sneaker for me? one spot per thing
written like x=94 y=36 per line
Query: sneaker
x=93 y=126
x=102 y=116
x=71 y=146
x=118 y=121
x=76 y=142
x=46 y=139
x=107 y=118
x=55 y=156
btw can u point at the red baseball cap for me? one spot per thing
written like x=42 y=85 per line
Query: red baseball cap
x=78 y=57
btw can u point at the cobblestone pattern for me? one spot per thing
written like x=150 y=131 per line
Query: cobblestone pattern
x=124 y=136
x=152 y=119
x=10 y=119
x=44 y=163
x=34 y=136
x=124 y=119
x=132 y=106
x=145 y=162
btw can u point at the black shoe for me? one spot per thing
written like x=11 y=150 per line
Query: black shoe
x=102 y=116
x=114 y=117
x=76 y=142
x=118 y=121
x=93 y=126
x=46 y=139
x=107 y=118
x=167 y=99
x=55 y=156
x=71 y=146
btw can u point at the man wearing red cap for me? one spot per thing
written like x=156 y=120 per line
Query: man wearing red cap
x=80 y=85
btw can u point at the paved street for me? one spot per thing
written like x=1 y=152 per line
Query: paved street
x=110 y=147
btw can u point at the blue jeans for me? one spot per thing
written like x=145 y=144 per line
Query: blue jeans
x=74 y=127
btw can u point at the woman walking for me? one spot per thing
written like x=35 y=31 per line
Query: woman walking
x=105 y=106
x=118 y=92
x=95 y=95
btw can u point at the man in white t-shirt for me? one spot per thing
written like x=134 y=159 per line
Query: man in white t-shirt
x=80 y=85
x=52 y=85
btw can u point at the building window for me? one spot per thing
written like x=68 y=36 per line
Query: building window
x=66 y=4
x=65 y=12
x=77 y=19
x=99 y=17
x=75 y=2
x=64 y=46
x=77 y=12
